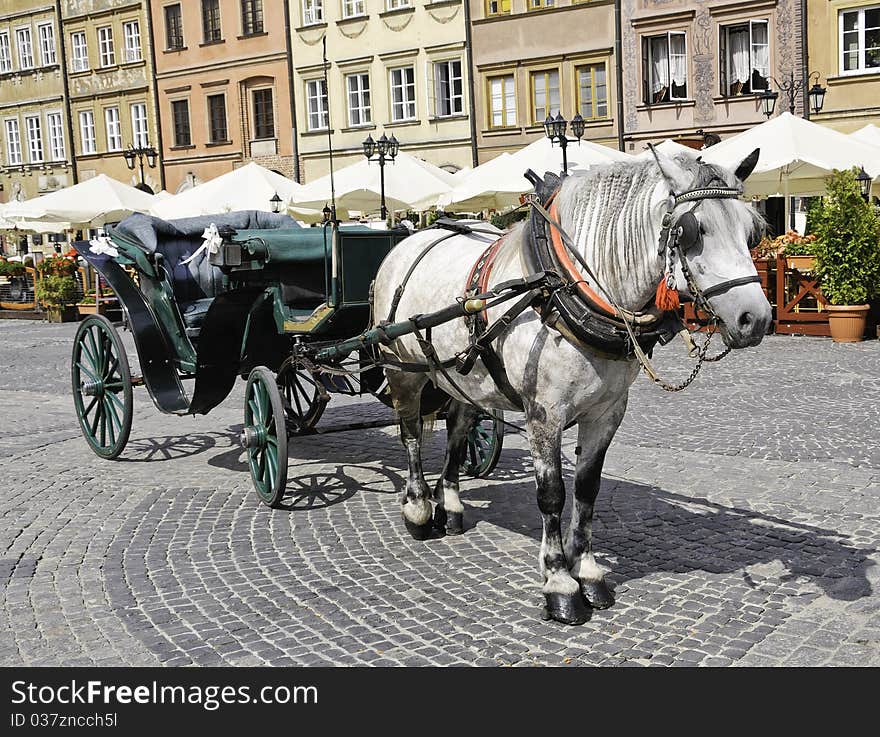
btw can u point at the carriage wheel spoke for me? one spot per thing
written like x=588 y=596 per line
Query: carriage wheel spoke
x=107 y=353
x=255 y=412
x=111 y=410
x=86 y=371
x=84 y=350
x=93 y=426
x=94 y=355
x=117 y=400
x=111 y=369
x=103 y=426
x=89 y=407
x=272 y=468
x=111 y=432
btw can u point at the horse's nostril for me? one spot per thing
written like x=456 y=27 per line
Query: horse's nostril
x=745 y=320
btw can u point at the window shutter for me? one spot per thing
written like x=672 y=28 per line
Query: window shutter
x=646 y=73
x=722 y=61
x=430 y=92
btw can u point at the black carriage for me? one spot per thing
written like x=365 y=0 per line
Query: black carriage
x=248 y=295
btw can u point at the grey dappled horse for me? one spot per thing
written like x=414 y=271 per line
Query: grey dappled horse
x=613 y=215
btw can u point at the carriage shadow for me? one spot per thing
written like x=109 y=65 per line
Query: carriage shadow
x=644 y=530
x=169 y=447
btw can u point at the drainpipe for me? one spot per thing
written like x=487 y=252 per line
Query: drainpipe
x=156 y=112
x=291 y=92
x=805 y=59
x=468 y=40
x=618 y=70
x=66 y=89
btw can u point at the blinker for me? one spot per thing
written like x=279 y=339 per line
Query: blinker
x=688 y=231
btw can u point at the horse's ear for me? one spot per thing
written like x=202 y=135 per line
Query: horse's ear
x=747 y=165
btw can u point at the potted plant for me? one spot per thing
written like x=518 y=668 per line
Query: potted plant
x=57 y=266
x=58 y=294
x=799 y=250
x=847 y=250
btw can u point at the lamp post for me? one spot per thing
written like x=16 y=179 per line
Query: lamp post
x=138 y=153
x=385 y=149
x=864 y=180
x=275 y=203
x=815 y=95
x=554 y=129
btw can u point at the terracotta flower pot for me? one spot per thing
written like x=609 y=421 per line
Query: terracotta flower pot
x=847 y=322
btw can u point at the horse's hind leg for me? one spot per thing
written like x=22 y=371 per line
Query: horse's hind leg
x=449 y=514
x=594 y=437
x=562 y=594
x=406 y=392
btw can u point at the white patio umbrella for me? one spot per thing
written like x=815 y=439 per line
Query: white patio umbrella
x=94 y=202
x=500 y=182
x=796 y=156
x=410 y=183
x=671 y=148
x=868 y=134
x=250 y=187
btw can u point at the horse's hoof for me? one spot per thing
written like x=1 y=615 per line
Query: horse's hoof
x=419 y=532
x=597 y=594
x=454 y=523
x=566 y=608
x=440 y=518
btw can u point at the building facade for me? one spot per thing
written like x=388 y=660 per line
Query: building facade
x=396 y=67
x=534 y=58
x=696 y=68
x=110 y=80
x=222 y=71
x=843 y=41
x=35 y=145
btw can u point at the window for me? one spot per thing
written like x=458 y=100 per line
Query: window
x=497 y=7
x=131 y=33
x=592 y=91
x=358 y=87
x=264 y=114
x=46 y=32
x=13 y=143
x=211 y=21
x=859 y=39
x=540 y=4
x=106 y=50
x=114 y=129
x=448 y=88
x=87 y=131
x=316 y=101
x=403 y=93
x=5 y=53
x=313 y=12
x=139 y=125
x=173 y=27
x=56 y=137
x=180 y=121
x=353 y=8
x=35 y=139
x=745 y=58
x=502 y=102
x=396 y=4
x=545 y=95
x=25 y=49
x=664 y=67
x=251 y=17
x=217 y=119
x=80 y=56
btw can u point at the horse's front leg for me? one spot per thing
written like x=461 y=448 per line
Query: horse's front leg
x=594 y=437
x=562 y=594
x=449 y=515
x=406 y=390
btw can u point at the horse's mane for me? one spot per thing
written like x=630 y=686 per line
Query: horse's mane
x=612 y=214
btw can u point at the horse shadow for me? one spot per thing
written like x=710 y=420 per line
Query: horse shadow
x=641 y=530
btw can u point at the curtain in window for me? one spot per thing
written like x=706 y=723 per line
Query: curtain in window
x=677 y=59
x=738 y=41
x=760 y=50
x=659 y=65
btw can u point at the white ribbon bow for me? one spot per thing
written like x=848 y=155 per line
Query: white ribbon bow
x=211 y=240
x=102 y=245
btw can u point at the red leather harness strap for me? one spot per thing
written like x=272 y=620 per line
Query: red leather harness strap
x=478 y=278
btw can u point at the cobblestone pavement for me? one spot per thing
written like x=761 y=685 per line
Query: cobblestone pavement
x=739 y=518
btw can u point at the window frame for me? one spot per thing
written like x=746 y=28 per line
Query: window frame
x=312 y=12
x=176 y=123
x=84 y=115
x=40 y=156
x=6 y=65
x=106 y=57
x=724 y=56
x=321 y=110
x=10 y=125
x=862 y=48
x=490 y=110
x=437 y=67
x=53 y=51
x=167 y=11
x=211 y=137
x=533 y=73
x=127 y=48
x=210 y=18
x=19 y=47
x=54 y=150
x=254 y=107
x=364 y=110
x=354 y=12
x=118 y=137
x=489 y=13
x=594 y=102
x=79 y=63
x=140 y=138
x=404 y=103
x=397 y=4
x=538 y=5
x=646 y=56
x=252 y=12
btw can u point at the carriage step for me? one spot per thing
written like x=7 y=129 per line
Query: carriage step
x=137 y=380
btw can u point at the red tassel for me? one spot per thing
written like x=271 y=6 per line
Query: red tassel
x=666 y=299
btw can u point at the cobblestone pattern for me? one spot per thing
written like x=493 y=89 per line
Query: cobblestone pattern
x=749 y=536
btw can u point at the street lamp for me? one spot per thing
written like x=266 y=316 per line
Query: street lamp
x=792 y=88
x=864 y=180
x=138 y=153
x=554 y=129
x=326 y=214
x=385 y=149
x=275 y=203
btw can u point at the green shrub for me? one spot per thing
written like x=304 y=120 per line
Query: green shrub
x=11 y=268
x=848 y=242
x=57 y=291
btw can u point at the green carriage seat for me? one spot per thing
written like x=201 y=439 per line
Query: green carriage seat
x=193 y=280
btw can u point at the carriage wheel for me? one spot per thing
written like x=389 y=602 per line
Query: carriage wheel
x=484 y=442
x=265 y=436
x=303 y=396
x=101 y=384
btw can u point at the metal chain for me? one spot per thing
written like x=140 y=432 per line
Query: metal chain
x=701 y=357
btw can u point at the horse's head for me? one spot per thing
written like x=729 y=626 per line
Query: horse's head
x=713 y=247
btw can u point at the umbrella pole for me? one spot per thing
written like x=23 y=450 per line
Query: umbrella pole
x=788 y=209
